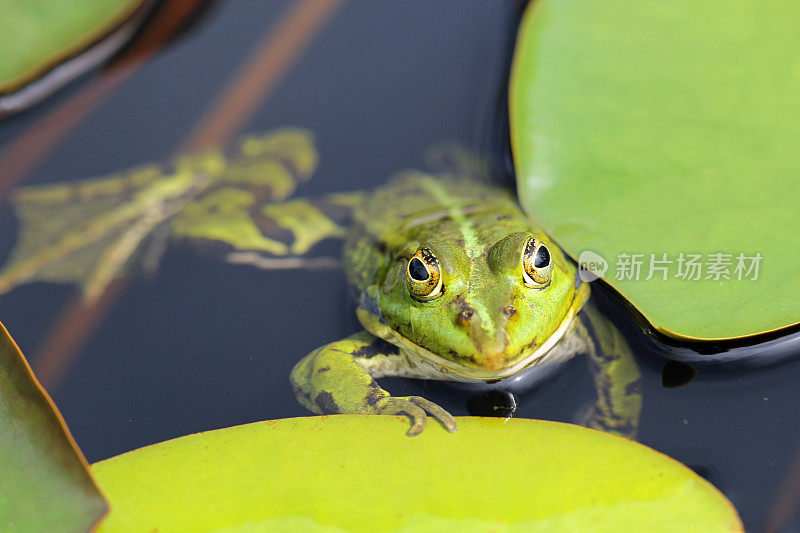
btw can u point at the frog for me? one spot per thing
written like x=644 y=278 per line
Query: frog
x=454 y=282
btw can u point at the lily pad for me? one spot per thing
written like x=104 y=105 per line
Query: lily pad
x=362 y=473
x=45 y=484
x=646 y=130
x=37 y=35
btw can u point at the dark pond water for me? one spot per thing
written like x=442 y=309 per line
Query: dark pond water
x=203 y=344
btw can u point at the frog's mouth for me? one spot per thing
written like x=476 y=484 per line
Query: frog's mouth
x=434 y=366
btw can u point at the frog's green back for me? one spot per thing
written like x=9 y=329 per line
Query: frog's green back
x=412 y=208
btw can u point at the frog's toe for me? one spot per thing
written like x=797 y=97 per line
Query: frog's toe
x=403 y=406
x=435 y=411
x=417 y=409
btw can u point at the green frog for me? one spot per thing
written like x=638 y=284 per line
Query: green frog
x=454 y=282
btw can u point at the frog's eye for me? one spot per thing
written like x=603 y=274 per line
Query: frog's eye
x=537 y=265
x=423 y=276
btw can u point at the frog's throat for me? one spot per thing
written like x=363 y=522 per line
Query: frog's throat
x=434 y=366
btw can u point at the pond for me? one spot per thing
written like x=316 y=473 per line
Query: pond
x=201 y=344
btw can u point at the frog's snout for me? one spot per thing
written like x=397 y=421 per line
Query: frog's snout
x=489 y=337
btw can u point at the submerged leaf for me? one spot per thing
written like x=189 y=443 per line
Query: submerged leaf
x=93 y=231
x=361 y=473
x=653 y=131
x=44 y=481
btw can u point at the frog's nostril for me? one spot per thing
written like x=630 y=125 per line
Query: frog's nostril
x=509 y=311
x=464 y=315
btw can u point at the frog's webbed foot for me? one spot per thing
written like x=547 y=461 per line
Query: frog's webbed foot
x=619 y=402
x=417 y=409
x=338 y=378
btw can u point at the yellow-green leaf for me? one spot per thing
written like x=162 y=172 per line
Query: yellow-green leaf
x=45 y=484
x=668 y=128
x=362 y=473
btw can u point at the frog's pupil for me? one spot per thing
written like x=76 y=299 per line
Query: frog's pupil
x=417 y=270
x=542 y=258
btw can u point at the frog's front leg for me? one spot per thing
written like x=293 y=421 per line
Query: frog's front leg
x=340 y=378
x=616 y=377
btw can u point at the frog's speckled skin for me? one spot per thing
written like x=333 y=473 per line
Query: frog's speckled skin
x=477 y=233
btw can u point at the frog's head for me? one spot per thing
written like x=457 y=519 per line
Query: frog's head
x=482 y=316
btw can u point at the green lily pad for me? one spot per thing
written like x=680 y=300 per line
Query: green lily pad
x=35 y=35
x=45 y=484
x=668 y=128
x=362 y=473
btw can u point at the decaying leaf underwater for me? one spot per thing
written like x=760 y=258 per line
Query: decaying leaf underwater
x=89 y=232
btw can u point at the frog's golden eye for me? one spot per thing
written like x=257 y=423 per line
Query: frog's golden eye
x=423 y=276
x=537 y=265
